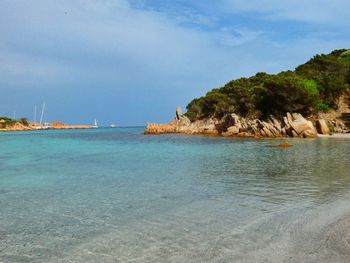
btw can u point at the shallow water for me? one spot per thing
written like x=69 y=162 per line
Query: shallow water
x=116 y=195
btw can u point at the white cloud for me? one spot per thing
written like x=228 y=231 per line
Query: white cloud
x=112 y=46
x=107 y=32
x=107 y=41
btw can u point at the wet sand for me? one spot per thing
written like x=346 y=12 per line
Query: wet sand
x=335 y=135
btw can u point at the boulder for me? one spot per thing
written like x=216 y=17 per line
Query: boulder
x=154 y=128
x=277 y=124
x=289 y=118
x=233 y=130
x=283 y=132
x=268 y=132
x=300 y=125
x=294 y=134
x=234 y=118
x=286 y=122
x=204 y=126
x=303 y=127
x=178 y=113
x=273 y=129
x=309 y=134
x=297 y=116
x=228 y=121
x=339 y=126
x=322 y=127
x=269 y=129
x=182 y=122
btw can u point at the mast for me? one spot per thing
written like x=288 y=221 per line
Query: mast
x=42 y=113
x=35 y=113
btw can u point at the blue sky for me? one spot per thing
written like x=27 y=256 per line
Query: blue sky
x=131 y=62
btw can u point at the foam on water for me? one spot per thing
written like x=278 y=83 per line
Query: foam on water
x=116 y=195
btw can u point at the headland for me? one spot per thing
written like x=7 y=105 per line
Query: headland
x=313 y=99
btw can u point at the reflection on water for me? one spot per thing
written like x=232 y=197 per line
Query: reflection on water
x=115 y=194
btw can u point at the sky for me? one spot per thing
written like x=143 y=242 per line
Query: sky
x=131 y=62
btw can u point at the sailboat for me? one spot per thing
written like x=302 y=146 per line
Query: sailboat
x=42 y=126
x=95 y=124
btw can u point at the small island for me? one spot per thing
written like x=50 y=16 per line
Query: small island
x=313 y=99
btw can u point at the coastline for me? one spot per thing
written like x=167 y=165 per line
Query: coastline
x=292 y=125
x=53 y=126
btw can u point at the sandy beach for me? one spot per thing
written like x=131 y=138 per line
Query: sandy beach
x=335 y=135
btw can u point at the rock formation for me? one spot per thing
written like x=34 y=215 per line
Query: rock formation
x=322 y=127
x=232 y=125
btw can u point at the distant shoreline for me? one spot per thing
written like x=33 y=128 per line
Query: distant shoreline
x=31 y=126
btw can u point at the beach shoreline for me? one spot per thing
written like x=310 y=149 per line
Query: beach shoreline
x=335 y=135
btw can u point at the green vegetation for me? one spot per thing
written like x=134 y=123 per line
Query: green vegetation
x=6 y=122
x=314 y=86
x=24 y=121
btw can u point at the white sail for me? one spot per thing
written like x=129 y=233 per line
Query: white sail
x=42 y=126
x=95 y=124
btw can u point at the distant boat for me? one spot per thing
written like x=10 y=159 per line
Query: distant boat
x=42 y=126
x=113 y=126
x=95 y=124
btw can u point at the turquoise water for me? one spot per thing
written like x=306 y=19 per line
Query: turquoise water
x=116 y=195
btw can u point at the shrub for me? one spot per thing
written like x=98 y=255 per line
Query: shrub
x=6 y=122
x=322 y=106
x=24 y=121
x=312 y=87
x=288 y=92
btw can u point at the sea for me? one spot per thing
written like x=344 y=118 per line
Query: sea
x=117 y=195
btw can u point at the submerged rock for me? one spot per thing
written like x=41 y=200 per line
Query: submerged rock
x=284 y=145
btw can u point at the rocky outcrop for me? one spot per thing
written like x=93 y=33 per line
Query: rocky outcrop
x=233 y=125
x=338 y=120
x=154 y=128
x=292 y=125
x=61 y=126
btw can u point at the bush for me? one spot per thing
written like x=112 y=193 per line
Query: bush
x=312 y=87
x=6 y=122
x=288 y=92
x=345 y=54
x=322 y=106
x=24 y=121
